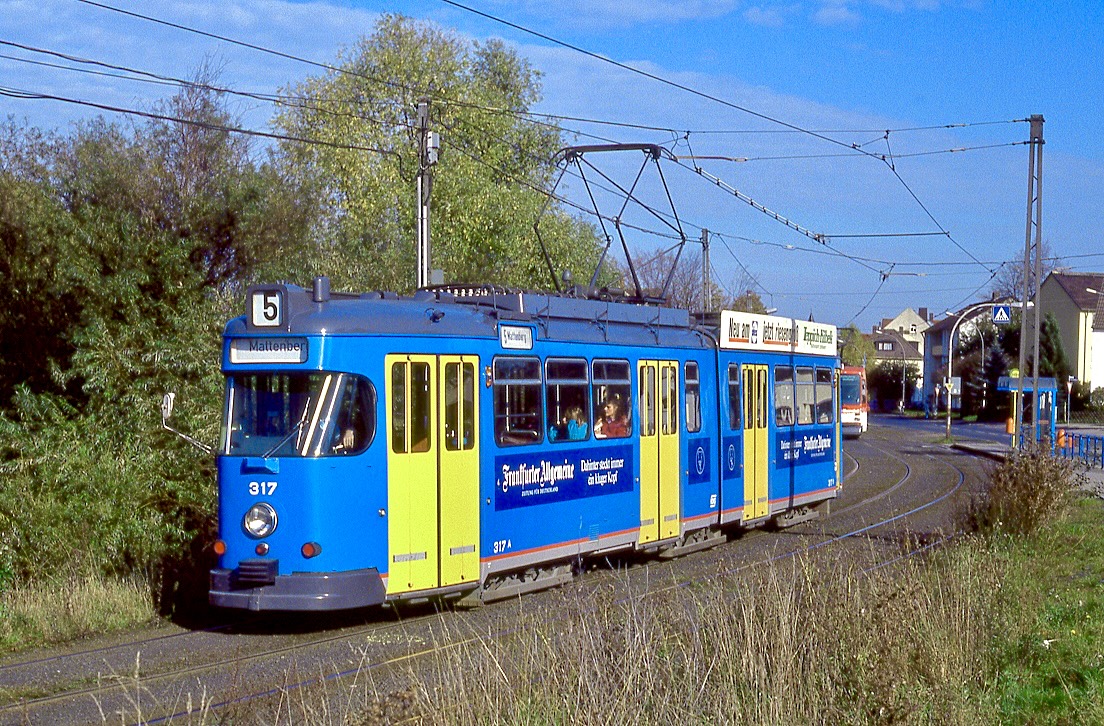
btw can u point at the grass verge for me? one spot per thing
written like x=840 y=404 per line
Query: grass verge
x=55 y=613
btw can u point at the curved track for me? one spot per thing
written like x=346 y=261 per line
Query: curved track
x=897 y=500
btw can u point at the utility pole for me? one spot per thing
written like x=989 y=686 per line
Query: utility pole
x=428 y=144
x=707 y=298
x=1034 y=221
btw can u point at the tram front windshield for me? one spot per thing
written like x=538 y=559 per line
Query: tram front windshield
x=850 y=389
x=298 y=414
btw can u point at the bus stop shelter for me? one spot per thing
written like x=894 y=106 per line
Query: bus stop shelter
x=1047 y=399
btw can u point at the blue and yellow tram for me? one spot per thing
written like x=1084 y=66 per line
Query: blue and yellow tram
x=481 y=443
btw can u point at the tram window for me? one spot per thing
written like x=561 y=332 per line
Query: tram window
x=749 y=399
x=761 y=398
x=398 y=408
x=459 y=410
x=410 y=434
x=806 y=395
x=420 y=403
x=646 y=391
x=468 y=385
x=517 y=401
x=355 y=424
x=668 y=399
x=459 y=382
x=450 y=380
x=824 y=406
x=734 y=396
x=783 y=396
x=693 y=397
x=611 y=394
x=299 y=414
x=566 y=391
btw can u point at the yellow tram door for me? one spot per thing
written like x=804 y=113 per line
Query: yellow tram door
x=659 y=450
x=756 y=441
x=459 y=469
x=412 y=536
x=649 y=452
x=669 y=469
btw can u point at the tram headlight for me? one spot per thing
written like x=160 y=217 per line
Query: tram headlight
x=260 y=520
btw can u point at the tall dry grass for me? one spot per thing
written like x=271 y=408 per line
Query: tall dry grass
x=794 y=645
x=77 y=607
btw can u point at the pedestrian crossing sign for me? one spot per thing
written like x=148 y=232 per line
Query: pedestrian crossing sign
x=1002 y=314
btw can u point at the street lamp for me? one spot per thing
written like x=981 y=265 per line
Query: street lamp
x=1069 y=395
x=950 y=350
x=902 y=377
x=950 y=354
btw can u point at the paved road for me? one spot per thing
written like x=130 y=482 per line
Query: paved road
x=938 y=427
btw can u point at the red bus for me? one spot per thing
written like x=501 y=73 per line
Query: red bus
x=854 y=401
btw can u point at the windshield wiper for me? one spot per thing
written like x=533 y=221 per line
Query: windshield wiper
x=294 y=430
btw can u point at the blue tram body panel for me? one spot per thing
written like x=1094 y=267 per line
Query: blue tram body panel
x=379 y=448
x=557 y=498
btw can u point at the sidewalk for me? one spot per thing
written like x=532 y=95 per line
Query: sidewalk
x=1090 y=479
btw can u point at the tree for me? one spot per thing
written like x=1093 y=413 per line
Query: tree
x=749 y=302
x=125 y=245
x=1008 y=282
x=884 y=380
x=687 y=289
x=855 y=348
x=1053 y=361
x=996 y=406
x=486 y=188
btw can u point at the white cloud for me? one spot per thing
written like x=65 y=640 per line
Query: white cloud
x=835 y=13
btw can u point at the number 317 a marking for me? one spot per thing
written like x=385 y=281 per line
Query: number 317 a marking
x=262 y=488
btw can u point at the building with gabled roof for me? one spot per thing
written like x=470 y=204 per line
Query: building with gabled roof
x=891 y=347
x=1073 y=297
x=939 y=346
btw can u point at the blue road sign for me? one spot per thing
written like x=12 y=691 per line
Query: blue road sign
x=1002 y=314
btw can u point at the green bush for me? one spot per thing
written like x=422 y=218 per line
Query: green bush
x=1027 y=491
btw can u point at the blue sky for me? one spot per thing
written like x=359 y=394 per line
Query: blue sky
x=847 y=69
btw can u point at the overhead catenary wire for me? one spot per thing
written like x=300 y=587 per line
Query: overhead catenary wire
x=532 y=116
x=715 y=99
x=17 y=93
x=292 y=57
x=30 y=95
x=866 y=262
x=801 y=157
x=683 y=87
x=652 y=76
x=338 y=145
x=142 y=76
x=736 y=258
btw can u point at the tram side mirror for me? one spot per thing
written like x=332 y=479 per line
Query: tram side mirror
x=167 y=402
x=167 y=407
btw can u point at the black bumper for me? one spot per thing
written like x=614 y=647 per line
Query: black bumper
x=299 y=591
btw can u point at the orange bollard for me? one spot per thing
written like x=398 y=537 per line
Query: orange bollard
x=1061 y=438
x=1010 y=426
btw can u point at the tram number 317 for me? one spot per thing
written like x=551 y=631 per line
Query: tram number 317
x=501 y=545
x=262 y=488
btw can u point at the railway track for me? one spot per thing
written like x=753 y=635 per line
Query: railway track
x=889 y=497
